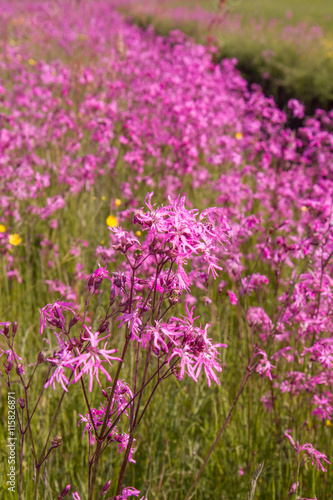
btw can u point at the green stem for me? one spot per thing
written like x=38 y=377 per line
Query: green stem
x=244 y=381
x=93 y=483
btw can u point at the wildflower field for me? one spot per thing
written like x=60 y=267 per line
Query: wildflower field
x=166 y=258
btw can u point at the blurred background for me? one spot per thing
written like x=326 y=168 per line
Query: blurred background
x=285 y=46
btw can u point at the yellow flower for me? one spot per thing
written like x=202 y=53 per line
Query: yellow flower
x=112 y=221
x=304 y=208
x=103 y=198
x=2 y=228
x=239 y=136
x=329 y=423
x=32 y=62
x=138 y=233
x=14 y=239
x=117 y=202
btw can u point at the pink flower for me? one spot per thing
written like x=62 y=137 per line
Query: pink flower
x=128 y=492
x=134 y=323
x=310 y=451
x=264 y=366
x=91 y=359
x=233 y=298
x=61 y=360
x=52 y=313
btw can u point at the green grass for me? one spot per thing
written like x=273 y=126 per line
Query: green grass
x=319 y=12
x=285 y=66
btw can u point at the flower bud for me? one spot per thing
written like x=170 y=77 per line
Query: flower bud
x=8 y=367
x=56 y=441
x=40 y=358
x=14 y=328
x=97 y=283
x=117 y=282
x=21 y=402
x=103 y=327
x=106 y=487
x=64 y=492
x=6 y=330
x=142 y=281
x=73 y=322
x=90 y=281
x=75 y=342
x=112 y=296
x=55 y=322
x=20 y=369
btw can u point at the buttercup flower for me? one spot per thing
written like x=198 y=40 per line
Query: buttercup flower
x=112 y=221
x=14 y=239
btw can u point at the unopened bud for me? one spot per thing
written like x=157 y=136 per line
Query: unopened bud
x=21 y=402
x=105 y=394
x=56 y=441
x=14 y=328
x=90 y=281
x=117 y=282
x=64 y=492
x=6 y=330
x=8 y=367
x=20 y=369
x=103 y=327
x=75 y=342
x=55 y=322
x=106 y=487
x=73 y=322
x=97 y=283
x=112 y=296
x=40 y=358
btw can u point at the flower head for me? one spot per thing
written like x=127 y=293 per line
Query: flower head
x=90 y=361
x=14 y=239
x=112 y=221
